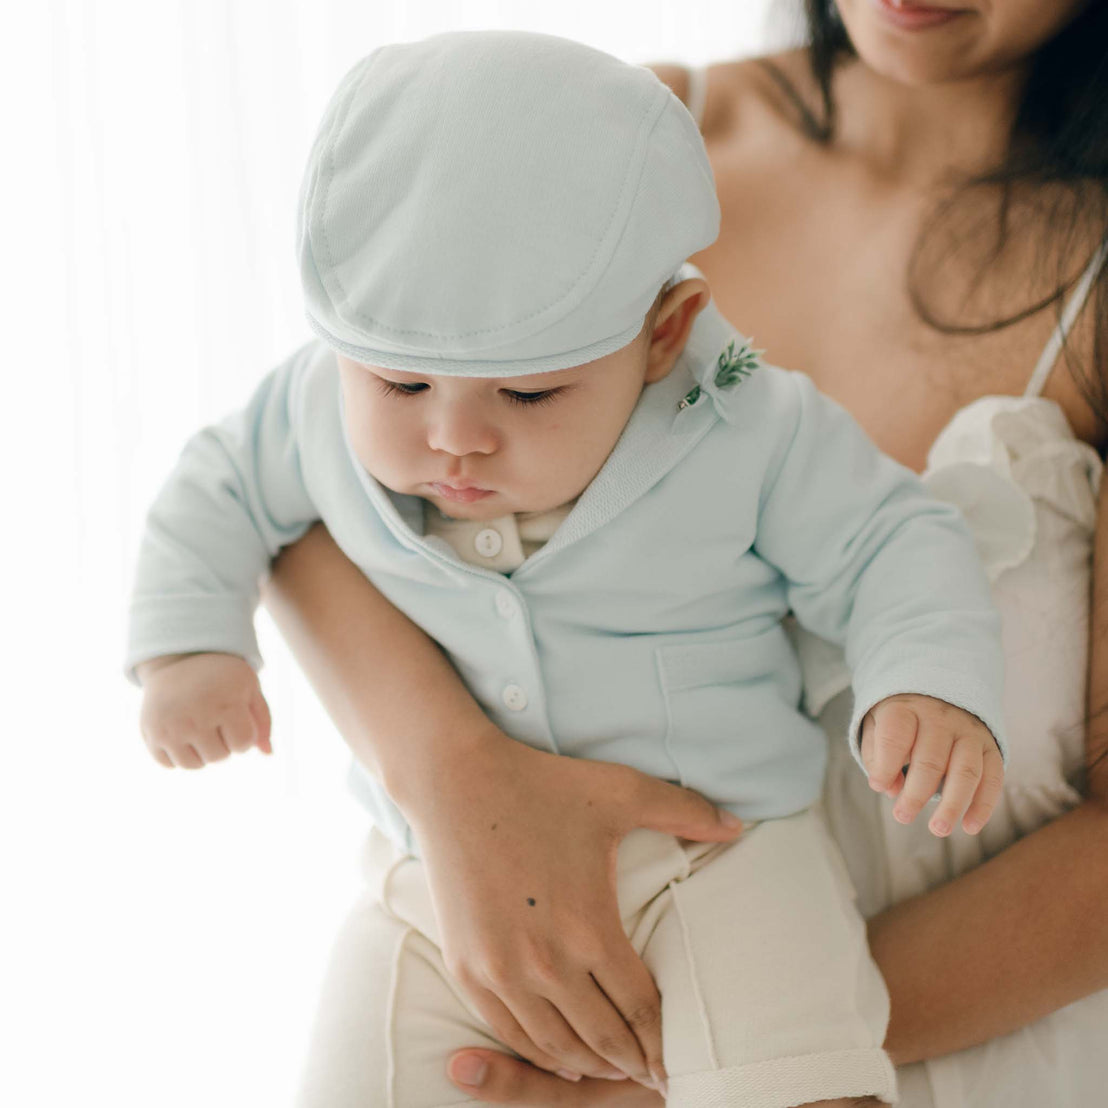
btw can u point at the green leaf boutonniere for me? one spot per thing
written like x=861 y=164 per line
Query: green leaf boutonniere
x=732 y=366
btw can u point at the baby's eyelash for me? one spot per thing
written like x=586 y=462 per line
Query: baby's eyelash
x=546 y=396
x=398 y=388
x=414 y=388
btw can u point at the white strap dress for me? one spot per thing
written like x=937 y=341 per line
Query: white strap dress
x=1028 y=489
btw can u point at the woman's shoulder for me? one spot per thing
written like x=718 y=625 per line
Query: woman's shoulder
x=744 y=93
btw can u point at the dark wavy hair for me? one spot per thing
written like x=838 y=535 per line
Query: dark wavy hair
x=1055 y=170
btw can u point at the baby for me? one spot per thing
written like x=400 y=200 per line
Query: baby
x=525 y=421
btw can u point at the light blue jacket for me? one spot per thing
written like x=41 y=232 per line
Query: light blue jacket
x=647 y=631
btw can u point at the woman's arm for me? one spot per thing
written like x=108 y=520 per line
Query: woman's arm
x=390 y=690
x=1001 y=946
x=467 y=789
x=1096 y=733
x=1032 y=923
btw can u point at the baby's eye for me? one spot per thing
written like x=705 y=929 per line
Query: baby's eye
x=391 y=388
x=543 y=396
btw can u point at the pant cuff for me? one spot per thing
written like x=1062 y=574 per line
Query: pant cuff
x=786 y=1082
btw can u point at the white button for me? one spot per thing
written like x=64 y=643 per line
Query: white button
x=514 y=697
x=506 y=604
x=488 y=543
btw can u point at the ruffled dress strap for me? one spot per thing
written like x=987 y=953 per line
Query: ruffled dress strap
x=1069 y=316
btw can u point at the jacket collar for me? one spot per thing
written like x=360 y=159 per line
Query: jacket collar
x=661 y=431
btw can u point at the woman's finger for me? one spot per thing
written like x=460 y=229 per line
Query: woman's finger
x=627 y=984
x=595 y=1042
x=678 y=811
x=495 y=1078
x=564 y=1050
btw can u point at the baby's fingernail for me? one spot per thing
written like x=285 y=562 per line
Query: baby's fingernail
x=876 y=786
x=900 y=814
x=972 y=826
x=568 y=1075
x=660 y=1082
x=468 y=1070
x=940 y=827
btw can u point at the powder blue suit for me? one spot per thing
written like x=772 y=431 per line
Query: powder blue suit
x=647 y=631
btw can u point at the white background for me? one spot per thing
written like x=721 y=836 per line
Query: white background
x=164 y=932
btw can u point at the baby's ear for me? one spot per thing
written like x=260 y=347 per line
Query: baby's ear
x=678 y=311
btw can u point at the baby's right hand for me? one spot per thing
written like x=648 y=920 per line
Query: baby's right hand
x=201 y=708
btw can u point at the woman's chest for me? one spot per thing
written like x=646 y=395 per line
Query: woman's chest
x=815 y=267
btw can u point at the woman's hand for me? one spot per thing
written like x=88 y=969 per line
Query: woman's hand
x=494 y=1077
x=520 y=852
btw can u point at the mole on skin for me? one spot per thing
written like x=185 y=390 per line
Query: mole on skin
x=531 y=901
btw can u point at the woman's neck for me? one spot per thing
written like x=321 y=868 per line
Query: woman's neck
x=925 y=134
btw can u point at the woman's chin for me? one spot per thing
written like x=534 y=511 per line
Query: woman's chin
x=925 y=55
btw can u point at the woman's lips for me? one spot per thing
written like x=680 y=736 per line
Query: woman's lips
x=915 y=17
x=461 y=495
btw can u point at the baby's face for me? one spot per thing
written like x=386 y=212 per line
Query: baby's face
x=481 y=447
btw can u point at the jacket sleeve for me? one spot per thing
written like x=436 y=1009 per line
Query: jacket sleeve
x=234 y=498
x=874 y=563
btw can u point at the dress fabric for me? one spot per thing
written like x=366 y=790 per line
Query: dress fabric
x=1028 y=488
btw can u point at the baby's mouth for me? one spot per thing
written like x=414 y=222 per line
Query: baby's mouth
x=460 y=494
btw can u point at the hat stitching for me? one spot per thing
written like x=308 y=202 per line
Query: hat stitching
x=645 y=133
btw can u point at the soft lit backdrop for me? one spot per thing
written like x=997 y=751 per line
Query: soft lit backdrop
x=165 y=931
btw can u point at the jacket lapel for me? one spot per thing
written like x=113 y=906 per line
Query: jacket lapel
x=657 y=436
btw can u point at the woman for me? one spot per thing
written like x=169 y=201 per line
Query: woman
x=906 y=211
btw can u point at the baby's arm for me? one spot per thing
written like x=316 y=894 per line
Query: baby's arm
x=873 y=562
x=235 y=497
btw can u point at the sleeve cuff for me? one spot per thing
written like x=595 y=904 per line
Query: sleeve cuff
x=960 y=689
x=190 y=625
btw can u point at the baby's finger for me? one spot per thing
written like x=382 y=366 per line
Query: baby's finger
x=186 y=755
x=930 y=757
x=988 y=791
x=210 y=745
x=237 y=731
x=963 y=775
x=865 y=747
x=895 y=734
x=259 y=709
x=162 y=757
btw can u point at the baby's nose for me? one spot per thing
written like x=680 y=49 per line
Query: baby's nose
x=460 y=430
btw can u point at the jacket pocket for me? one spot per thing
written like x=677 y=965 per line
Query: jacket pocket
x=722 y=697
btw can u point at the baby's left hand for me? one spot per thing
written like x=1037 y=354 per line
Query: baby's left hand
x=942 y=746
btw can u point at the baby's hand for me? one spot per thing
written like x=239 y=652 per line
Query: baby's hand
x=200 y=708
x=942 y=746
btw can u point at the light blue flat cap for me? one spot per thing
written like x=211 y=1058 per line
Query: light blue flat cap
x=490 y=204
